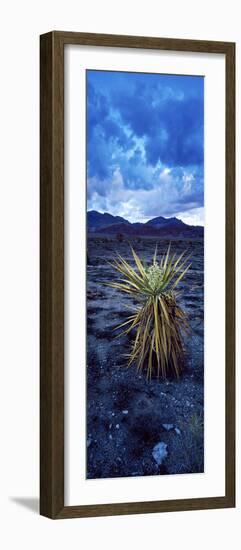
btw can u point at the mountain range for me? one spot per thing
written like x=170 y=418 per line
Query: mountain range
x=108 y=224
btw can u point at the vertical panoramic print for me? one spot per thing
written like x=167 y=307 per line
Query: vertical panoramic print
x=145 y=274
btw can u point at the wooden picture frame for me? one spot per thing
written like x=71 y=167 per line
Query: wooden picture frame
x=52 y=274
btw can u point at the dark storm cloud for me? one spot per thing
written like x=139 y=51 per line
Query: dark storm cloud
x=173 y=128
x=144 y=133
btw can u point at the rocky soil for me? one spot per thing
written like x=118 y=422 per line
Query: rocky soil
x=137 y=427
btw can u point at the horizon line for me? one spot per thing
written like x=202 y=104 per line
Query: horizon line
x=153 y=218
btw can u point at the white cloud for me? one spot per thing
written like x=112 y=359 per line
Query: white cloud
x=195 y=216
x=173 y=194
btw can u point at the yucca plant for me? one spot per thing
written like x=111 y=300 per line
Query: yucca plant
x=157 y=318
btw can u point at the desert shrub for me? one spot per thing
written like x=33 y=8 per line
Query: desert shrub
x=156 y=317
x=192 y=439
x=120 y=237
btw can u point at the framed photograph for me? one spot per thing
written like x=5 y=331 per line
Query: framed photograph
x=137 y=275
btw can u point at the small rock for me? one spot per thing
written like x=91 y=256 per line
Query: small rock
x=89 y=441
x=110 y=436
x=178 y=432
x=159 y=452
x=117 y=426
x=125 y=411
x=168 y=427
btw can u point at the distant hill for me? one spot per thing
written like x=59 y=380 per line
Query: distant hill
x=96 y=220
x=107 y=224
x=164 y=222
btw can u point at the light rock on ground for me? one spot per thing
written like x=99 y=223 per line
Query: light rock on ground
x=159 y=452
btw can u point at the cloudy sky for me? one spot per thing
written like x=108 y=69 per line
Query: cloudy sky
x=145 y=145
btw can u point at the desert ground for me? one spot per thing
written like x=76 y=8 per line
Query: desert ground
x=137 y=427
